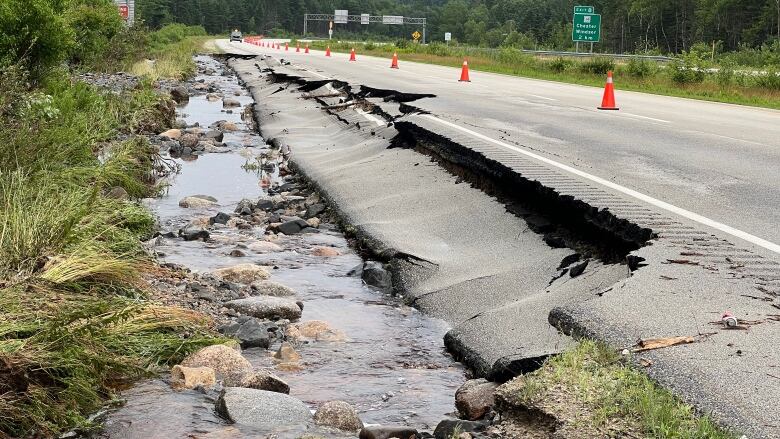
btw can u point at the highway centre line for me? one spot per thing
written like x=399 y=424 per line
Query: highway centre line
x=771 y=246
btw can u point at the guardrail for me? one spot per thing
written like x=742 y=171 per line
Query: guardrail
x=593 y=55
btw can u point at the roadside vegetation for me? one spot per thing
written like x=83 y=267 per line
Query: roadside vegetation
x=75 y=323
x=690 y=75
x=170 y=52
x=591 y=388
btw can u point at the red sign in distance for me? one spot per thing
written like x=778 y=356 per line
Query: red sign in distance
x=124 y=11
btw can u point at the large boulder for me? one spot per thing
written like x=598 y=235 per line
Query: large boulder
x=197 y=202
x=338 y=414
x=266 y=307
x=475 y=398
x=271 y=288
x=242 y=273
x=261 y=408
x=183 y=377
x=228 y=364
x=264 y=380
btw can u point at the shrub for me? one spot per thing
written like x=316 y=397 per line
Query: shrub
x=769 y=79
x=173 y=33
x=598 y=66
x=560 y=64
x=95 y=23
x=725 y=75
x=641 y=68
x=34 y=35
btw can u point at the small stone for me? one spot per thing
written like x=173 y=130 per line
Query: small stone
x=215 y=135
x=118 y=193
x=242 y=273
x=189 y=141
x=266 y=307
x=197 y=202
x=264 y=247
x=339 y=415
x=475 y=398
x=180 y=94
x=315 y=210
x=212 y=97
x=387 y=432
x=316 y=330
x=271 y=288
x=171 y=134
x=220 y=218
x=375 y=275
x=230 y=126
x=253 y=334
x=230 y=103
x=183 y=377
x=325 y=252
x=228 y=364
x=447 y=428
x=194 y=233
x=313 y=222
x=236 y=253
x=264 y=380
x=287 y=354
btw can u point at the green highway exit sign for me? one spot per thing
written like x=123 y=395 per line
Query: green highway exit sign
x=587 y=28
x=584 y=9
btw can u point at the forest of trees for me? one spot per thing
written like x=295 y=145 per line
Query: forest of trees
x=664 y=26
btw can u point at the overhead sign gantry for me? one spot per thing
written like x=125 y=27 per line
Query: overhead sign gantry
x=342 y=16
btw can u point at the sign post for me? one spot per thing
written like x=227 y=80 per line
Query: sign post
x=416 y=35
x=447 y=37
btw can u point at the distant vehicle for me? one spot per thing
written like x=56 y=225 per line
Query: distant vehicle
x=236 y=36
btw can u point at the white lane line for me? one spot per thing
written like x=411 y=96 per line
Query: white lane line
x=771 y=246
x=644 y=117
x=543 y=97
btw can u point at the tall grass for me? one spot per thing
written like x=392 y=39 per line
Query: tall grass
x=171 y=50
x=74 y=321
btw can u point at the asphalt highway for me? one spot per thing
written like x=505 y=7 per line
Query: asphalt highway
x=716 y=164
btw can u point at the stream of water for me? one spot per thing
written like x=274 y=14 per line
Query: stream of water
x=393 y=368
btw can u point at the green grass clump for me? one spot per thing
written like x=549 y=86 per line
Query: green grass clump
x=75 y=323
x=607 y=392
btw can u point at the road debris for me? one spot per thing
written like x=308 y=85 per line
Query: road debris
x=659 y=343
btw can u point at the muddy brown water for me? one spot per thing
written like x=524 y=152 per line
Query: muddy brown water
x=393 y=367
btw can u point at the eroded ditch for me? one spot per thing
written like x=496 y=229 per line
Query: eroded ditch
x=387 y=359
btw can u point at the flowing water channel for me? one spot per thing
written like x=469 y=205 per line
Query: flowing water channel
x=393 y=368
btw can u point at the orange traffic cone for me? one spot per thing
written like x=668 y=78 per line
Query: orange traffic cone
x=464 y=73
x=297 y=47
x=286 y=47
x=608 y=101
x=307 y=48
x=327 y=51
x=352 y=55
x=394 y=64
